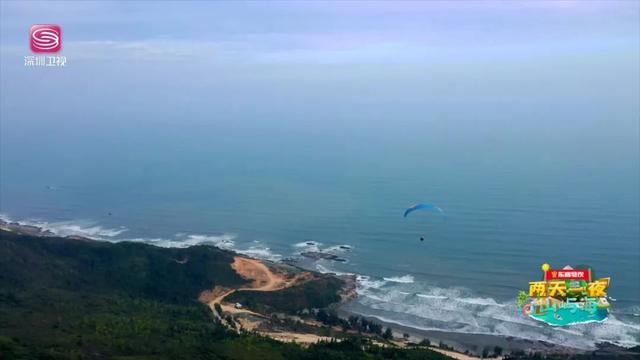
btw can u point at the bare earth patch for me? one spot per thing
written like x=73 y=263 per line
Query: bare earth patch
x=264 y=278
x=297 y=337
x=256 y=271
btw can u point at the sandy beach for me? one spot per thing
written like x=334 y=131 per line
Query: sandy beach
x=473 y=343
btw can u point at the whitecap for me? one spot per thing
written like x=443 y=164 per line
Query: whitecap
x=424 y=296
x=83 y=228
x=405 y=279
x=324 y=270
x=259 y=252
x=480 y=301
x=308 y=245
x=223 y=241
x=458 y=310
x=365 y=282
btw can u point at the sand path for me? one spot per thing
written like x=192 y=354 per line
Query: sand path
x=297 y=337
x=263 y=278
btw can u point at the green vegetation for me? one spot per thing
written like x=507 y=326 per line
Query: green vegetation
x=66 y=298
x=132 y=269
x=75 y=299
x=218 y=308
x=317 y=293
x=365 y=326
x=360 y=324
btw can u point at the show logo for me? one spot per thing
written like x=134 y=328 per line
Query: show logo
x=566 y=296
x=45 y=39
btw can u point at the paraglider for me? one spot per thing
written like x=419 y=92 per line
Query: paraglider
x=421 y=206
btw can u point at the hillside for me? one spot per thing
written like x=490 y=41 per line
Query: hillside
x=64 y=298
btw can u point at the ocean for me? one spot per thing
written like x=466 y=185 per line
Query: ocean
x=517 y=190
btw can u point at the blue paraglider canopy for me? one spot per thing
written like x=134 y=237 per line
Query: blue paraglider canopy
x=420 y=207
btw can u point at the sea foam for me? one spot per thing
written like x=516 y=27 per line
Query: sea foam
x=427 y=307
x=405 y=279
x=84 y=228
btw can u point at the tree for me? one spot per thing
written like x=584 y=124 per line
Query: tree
x=231 y=322
x=485 y=352
x=425 y=342
x=497 y=351
x=388 y=334
x=322 y=316
x=375 y=328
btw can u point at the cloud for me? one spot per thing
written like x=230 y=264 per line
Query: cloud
x=148 y=50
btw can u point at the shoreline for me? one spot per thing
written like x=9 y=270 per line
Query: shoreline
x=460 y=343
x=470 y=342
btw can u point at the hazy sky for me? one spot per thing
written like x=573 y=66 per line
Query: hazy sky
x=300 y=60
x=331 y=32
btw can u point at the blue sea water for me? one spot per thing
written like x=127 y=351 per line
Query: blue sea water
x=516 y=192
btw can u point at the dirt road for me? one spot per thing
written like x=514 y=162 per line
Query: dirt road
x=263 y=278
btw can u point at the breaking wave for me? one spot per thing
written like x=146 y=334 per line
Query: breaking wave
x=260 y=252
x=366 y=282
x=181 y=240
x=421 y=306
x=324 y=270
x=406 y=279
x=224 y=241
x=84 y=228
x=308 y=246
x=91 y=230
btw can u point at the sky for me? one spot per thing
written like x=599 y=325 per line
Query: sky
x=330 y=32
x=298 y=62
